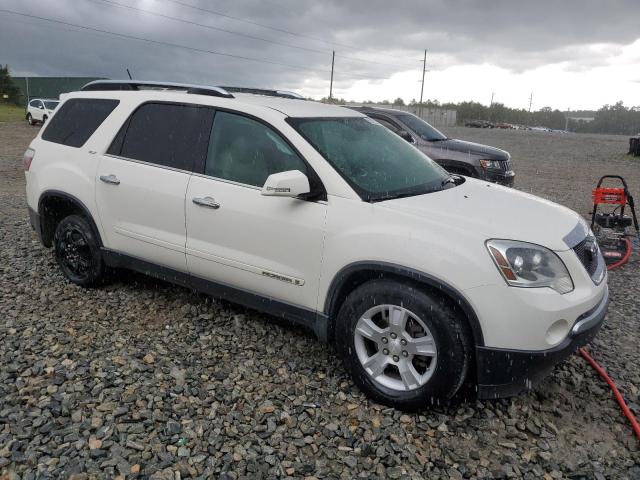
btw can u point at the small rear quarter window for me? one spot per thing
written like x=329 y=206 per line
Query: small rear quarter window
x=77 y=119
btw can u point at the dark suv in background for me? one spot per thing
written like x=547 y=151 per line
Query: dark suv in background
x=456 y=156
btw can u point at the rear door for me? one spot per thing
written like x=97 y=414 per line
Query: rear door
x=142 y=181
x=271 y=246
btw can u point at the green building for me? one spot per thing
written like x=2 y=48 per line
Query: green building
x=48 y=87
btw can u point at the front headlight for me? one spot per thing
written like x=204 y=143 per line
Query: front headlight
x=491 y=164
x=525 y=264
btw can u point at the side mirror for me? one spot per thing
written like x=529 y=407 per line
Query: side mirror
x=41 y=107
x=406 y=135
x=286 y=184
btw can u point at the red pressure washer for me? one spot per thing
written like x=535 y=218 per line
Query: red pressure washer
x=612 y=229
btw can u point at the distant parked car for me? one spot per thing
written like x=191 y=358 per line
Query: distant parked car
x=456 y=156
x=40 y=109
x=479 y=124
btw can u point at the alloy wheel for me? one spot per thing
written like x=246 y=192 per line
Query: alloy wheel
x=395 y=347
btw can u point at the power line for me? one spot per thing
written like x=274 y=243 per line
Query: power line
x=159 y=42
x=245 y=35
x=211 y=27
x=243 y=20
x=269 y=27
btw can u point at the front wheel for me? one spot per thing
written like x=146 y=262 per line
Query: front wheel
x=30 y=119
x=402 y=346
x=77 y=251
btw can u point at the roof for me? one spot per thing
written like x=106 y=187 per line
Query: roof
x=390 y=111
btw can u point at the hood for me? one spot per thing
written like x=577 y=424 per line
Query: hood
x=480 y=209
x=484 y=151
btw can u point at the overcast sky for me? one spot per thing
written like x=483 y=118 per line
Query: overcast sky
x=570 y=54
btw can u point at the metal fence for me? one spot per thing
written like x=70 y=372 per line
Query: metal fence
x=48 y=87
x=438 y=117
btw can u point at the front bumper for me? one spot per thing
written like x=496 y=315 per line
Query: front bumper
x=504 y=373
x=501 y=177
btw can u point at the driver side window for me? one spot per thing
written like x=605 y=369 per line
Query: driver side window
x=386 y=123
x=246 y=151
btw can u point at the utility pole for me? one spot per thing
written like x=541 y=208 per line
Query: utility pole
x=566 y=120
x=424 y=70
x=491 y=105
x=333 y=59
x=530 y=102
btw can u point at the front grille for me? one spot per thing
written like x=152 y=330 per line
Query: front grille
x=587 y=256
x=506 y=166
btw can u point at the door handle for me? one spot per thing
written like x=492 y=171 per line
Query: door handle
x=110 y=179
x=206 y=202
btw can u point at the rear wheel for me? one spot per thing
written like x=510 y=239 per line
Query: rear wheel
x=44 y=119
x=77 y=251
x=403 y=347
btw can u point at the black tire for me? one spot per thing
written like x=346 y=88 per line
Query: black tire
x=451 y=339
x=77 y=252
x=30 y=119
x=44 y=119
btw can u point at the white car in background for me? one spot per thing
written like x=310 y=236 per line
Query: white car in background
x=40 y=110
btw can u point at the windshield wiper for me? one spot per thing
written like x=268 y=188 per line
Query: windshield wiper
x=438 y=139
x=450 y=179
x=455 y=179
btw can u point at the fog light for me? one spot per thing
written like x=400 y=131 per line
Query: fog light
x=557 y=332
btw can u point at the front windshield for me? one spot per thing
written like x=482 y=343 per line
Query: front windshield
x=51 y=105
x=421 y=128
x=377 y=163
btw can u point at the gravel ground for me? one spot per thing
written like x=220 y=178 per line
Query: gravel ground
x=144 y=379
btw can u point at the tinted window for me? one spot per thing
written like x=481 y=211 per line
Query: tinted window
x=387 y=123
x=77 y=119
x=246 y=151
x=165 y=134
x=422 y=128
x=34 y=103
x=376 y=162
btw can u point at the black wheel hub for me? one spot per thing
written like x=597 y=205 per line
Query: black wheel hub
x=74 y=252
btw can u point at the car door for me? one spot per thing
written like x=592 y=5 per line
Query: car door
x=271 y=246
x=142 y=181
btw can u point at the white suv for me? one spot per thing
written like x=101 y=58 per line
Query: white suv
x=39 y=110
x=319 y=214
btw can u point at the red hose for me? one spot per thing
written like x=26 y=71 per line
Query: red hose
x=624 y=259
x=623 y=406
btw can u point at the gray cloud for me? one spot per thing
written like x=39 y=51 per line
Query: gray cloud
x=514 y=35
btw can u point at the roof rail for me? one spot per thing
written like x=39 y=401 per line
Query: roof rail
x=108 y=85
x=261 y=91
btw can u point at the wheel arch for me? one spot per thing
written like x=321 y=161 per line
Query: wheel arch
x=53 y=206
x=459 y=167
x=356 y=274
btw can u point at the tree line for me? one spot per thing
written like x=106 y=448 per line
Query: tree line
x=614 y=119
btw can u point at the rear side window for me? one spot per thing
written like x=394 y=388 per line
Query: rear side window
x=165 y=134
x=77 y=119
